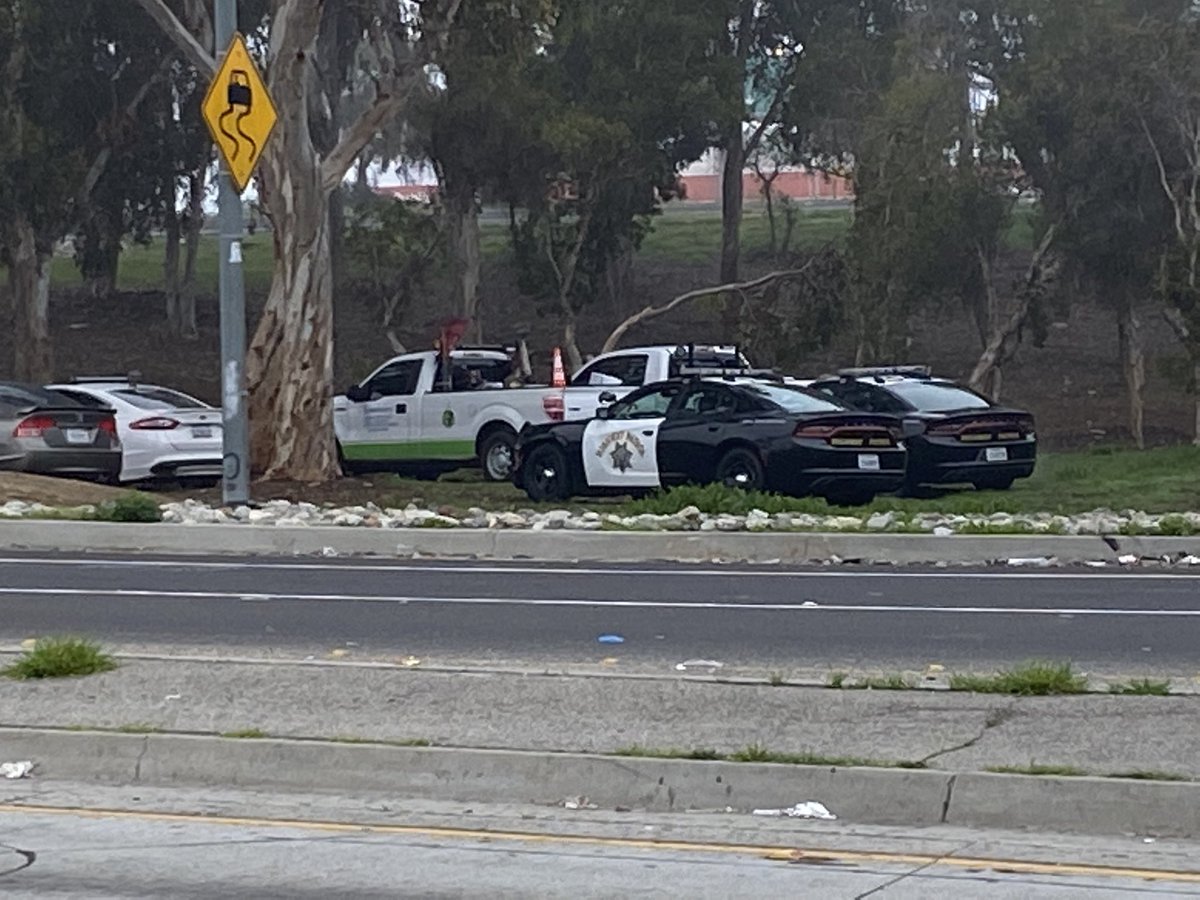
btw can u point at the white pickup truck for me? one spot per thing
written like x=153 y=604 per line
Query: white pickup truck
x=610 y=377
x=412 y=412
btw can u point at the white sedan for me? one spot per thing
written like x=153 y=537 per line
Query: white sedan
x=165 y=435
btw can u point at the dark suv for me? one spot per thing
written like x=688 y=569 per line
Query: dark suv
x=953 y=434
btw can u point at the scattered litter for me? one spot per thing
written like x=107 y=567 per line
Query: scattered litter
x=29 y=643
x=1127 y=560
x=1037 y=562
x=1190 y=560
x=611 y=639
x=14 y=770
x=1095 y=563
x=410 y=662
x=810 y=604
x=809 y=809
x=338 y=652
x=934 y=668
x=351 y=643
x=698 y=664
x=1147 y=840
x=173 y=697
x=578 y=803
x=328 y=551
x=942 y=531
x=609 y=661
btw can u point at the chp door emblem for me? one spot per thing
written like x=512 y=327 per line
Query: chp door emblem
x=448 y=418
x=622 y=448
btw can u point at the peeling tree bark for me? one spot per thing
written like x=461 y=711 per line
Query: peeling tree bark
x=29 y=289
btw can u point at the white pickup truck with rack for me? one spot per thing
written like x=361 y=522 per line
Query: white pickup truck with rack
x=414 y=411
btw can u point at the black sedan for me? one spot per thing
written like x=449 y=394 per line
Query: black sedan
x=953 y=434
x=749 y=433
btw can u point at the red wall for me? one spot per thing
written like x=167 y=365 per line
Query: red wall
x=797 y=185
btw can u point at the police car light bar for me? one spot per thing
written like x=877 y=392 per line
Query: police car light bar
x=131 y=379
x=870 y=371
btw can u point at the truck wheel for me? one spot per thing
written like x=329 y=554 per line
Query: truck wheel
x=496 y=454
x=545 y=474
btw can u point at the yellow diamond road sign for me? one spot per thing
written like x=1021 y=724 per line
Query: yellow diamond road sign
x=239 y=112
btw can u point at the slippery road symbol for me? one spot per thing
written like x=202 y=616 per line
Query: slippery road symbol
x=240 y=99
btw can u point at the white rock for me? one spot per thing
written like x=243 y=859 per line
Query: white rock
x=943 y=531
x=881 y=521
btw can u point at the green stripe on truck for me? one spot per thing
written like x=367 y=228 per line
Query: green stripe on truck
x=410 y=450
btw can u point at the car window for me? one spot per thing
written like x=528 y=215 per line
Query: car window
x=932 y=396
x=83 y=399
x=793 y=399
x=628 y=370
x=651 y=403
x=707 y=400
x=869 y=398
x=472 y=374
x=20 y=396
x=158 y=398
x=396 y=379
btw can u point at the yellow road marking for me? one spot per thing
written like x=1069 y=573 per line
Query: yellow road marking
x=771 y=852
x=778 y=853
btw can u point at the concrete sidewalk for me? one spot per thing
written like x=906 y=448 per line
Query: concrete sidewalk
x=1097 y=734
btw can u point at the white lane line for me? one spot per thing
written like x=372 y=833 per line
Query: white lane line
x=807 y=606
x=684 y=570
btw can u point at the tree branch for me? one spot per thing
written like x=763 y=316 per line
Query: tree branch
x=195 y=54
x=653 y=312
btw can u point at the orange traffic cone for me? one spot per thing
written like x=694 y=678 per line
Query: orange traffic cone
x=558 y=378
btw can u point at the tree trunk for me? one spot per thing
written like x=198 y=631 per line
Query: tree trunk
x=29 y=288
x=1133 y=359
x=731 y=223
x=171 y=268
x=1196 y=401
x=289 y=366
x=188 y=329
x=337 y=240
x=101 y=253
x=462 y=220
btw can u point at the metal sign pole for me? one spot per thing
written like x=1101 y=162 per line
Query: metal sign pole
x=236 y=483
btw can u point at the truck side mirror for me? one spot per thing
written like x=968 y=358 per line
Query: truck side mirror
x=356 y=393
x=608 y=397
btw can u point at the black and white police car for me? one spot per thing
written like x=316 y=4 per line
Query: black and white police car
x=748 y=431
x=953 y=434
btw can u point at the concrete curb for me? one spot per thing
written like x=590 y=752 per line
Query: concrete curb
x=571 y=546
x=856 y=795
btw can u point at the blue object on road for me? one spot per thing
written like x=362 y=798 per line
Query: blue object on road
x=611 y=639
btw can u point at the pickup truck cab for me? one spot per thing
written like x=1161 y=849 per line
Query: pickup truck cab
x=610 y=377
x=415 y=412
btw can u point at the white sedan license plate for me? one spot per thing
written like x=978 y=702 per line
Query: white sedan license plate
x=202 y=431
x=997 y=454
x=78 y=436
x=869 y=461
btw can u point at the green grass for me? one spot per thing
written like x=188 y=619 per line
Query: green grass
x=638 y=751
x=1035 y=769
x=893 y=682
x=838 y=679
x=61 y=657
x=1031 y=679
x=129 y=507
x=1141 y=687
x=776 y=679
x=246 y=734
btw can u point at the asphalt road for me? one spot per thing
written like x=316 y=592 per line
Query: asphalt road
x=771 y=617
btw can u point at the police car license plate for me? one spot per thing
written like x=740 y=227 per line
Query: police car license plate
x=78 y=436
x=869 y=461
x=997 y=454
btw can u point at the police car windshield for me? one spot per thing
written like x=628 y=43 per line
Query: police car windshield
x=931 y=396
x=793 y=399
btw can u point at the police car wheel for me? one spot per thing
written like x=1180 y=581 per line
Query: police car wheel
x=545 y=474
x=741 y=468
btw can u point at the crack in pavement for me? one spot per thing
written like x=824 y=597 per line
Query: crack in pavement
x=137 y=765
x=995 y=718
x=916 y=871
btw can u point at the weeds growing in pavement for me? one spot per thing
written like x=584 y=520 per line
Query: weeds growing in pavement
x=837 y=679
x=893 y=682
x=1150 y=775
x=1142 y=687
x=246 y=734
x=756 y=753
x=1031 y=679
x=129 y=507
x=1035 y=769
x=61 y=657
x=636 y=750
